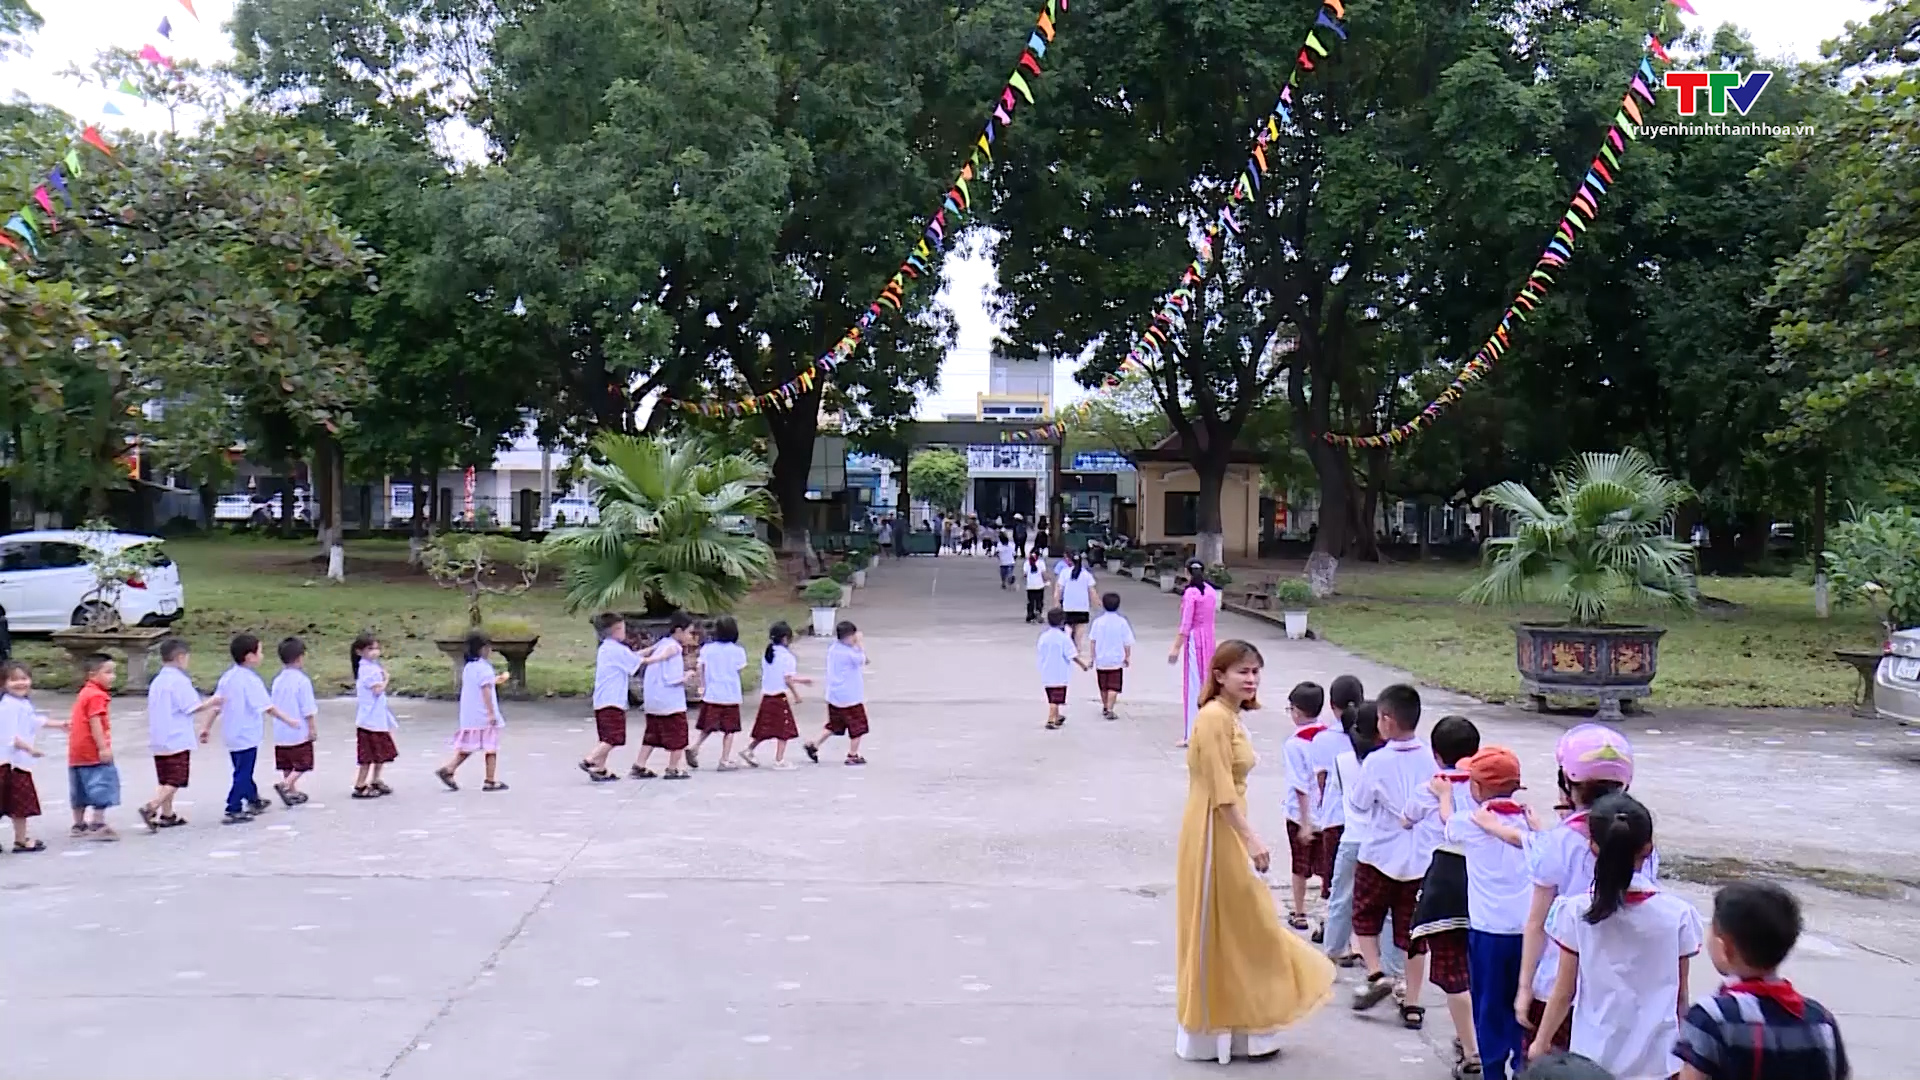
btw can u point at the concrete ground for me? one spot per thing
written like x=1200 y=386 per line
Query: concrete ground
x=986 y=899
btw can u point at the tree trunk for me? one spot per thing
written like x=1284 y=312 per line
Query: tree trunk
x=793 y=431
x=1210 y=545
x=1817 y=540
x=287 y=501
x=321 y=473
x=209 y=500
x=332 y=516
x=417 y=534
x=1426 y=531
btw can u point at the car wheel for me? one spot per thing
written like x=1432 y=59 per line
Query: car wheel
x=83 y=614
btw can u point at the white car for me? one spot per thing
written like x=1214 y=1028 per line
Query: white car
x=45 y=583
x=233 y=508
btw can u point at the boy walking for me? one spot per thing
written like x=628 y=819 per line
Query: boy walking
x=1440 y=920
x=172 y=706
x=846 y=694
x=244 y=707
x=1057 y=656
x=1304 y=705
x=1112 y=638
x=293 y=743
x=1004 y=549
x=613 y=669
x=1386 y=883
x=93 y=780
x=1499 y=894
x=1757 y=1024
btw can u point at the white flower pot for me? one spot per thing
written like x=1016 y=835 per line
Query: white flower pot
x=1296 y=624
x=859 y=579
x=1113 y=566
x=1172 y=582
x=823 y=620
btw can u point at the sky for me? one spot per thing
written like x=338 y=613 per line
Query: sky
x=76 y=29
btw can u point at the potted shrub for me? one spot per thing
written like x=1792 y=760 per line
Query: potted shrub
x=842 y=574
x=1134 y=562
x=823 y=596
x=859 y=561
x=114 y=567
x=1219 y=576
x=472 y=563
x=1294 y=596
x=1598 y=543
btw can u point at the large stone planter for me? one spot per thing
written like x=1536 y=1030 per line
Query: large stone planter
x=513 y=650
x=135 y=643
x=1612 y=664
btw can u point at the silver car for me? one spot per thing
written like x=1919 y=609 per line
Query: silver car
x=1896 y=683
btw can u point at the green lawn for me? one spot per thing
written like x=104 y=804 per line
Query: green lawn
x=1771 y=651
x=274 y=588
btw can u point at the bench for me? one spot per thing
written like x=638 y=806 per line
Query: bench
x=1255 y=592
x=1867 y=664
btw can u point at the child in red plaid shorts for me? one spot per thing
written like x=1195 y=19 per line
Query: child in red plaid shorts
x=1386 y=883
x=1440 y=919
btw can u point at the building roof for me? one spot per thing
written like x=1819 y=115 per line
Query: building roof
x=1172 y=450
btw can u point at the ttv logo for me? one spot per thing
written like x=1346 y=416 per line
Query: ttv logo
x=1722 y=87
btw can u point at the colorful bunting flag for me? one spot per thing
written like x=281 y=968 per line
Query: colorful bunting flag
x=152 y=56
x=166 y=28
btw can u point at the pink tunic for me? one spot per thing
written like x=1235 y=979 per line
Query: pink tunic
x=1197 y=610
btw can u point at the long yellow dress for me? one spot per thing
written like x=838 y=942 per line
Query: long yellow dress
x=1243 y=976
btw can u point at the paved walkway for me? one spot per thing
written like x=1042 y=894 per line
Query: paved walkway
x=985 y=899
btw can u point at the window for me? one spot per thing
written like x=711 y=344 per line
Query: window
x=55 y=556
x=19 y=556
x=1183 y=513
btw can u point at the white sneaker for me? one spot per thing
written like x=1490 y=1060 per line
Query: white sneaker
x=782 y=766
x=747 y=756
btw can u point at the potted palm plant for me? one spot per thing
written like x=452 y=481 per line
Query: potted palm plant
x=661 y=540
x=1599 y=543
x=823 y=596
x=1295 y=596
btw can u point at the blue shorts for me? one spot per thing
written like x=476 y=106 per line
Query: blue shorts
x=93 y=787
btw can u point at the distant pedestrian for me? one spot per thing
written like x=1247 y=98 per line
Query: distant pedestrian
x=1077 y=588
x=93 y=780
x=292 y=692
x=1057 y=656
x=721 y=661
x=780 y=684
x=1036 y=578
x=1003 y=547
x=373 y=721
x=1193 y=647
x=846 y=694
x=614 y=665
x=1019 y=534
x=1112 y=638
x=245 y=706
x=172 y=707
x=20 y=725
x=480 y=719
x=664 y=701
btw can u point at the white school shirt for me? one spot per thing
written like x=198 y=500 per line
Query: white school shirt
x=370 y=711
x=722 y=661
x=1423 y=811
x=19 y=721
x=1388 y=779
x=476 y=681
x=1005 y=551
x=1499 y=889
x=1562 y=859
x=293 y=695
x=1056 y=651
x=1329 y=808
x=774 y=672
x=846 y=675
x=613 y=668
x=1346 y=780
x=664 y=686
x=243 y=708
x=171 y=701
x=1296 y=755
x=1625 y=1008
x=1036 y=576
x=1076 y=594
x=1112 y=636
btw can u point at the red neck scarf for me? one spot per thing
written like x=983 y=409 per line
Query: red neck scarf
x=1778 y=991
x=1453 y=776
x=1504 y=806
x=1309 y=731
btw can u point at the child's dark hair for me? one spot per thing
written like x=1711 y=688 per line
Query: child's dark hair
x=1454 y=738
x=1622 y=830
x=777 y=634
x=1402 y=703
x=606 y=621
x=291 y=649
x=477 y=642
x=1583 y=795
x=1056 y=618
x=679 y=620
x=726 y=629
x=10 y=667
x=1365 y=731
x=172 y=649
x=1345 y=695
x=361 y=643
x=1761 y=919
x=1110 y=601
x=1564 y=1067
x=1308 y=698
x=1079 y=561
x=844 y=629
x=243 y=646
x=96 y=661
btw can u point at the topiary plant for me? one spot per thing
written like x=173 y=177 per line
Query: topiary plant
x=1294 y=594
x=841 y=572
x=1219 y=576
x=821 y=593
x=859 y=560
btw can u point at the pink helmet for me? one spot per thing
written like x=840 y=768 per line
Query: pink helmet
x=1595 y=752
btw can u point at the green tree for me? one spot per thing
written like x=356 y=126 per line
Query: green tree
x=940 y=477
x=17 y=20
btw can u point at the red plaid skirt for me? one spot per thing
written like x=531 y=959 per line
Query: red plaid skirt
x=1110 y=679
x=293 y=758
x=775 y=719
x=1056 y=695
x=610 y=725
x=1376 y=896
x=1329 y=851
x=1563 y=1039
x=6 y=774
x=720 y=717
x=1446 y=959
x=173 y=770
x=22 y=799
x=848 y=720
x=666 y=732
x=374 y=747
x=1304 y=853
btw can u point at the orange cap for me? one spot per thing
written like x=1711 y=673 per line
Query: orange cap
x=1493 y=766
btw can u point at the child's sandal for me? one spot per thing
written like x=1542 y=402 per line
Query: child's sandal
x=676 y=774
x=813 y=752
x=381 y=787
x=29 y=846
x=493 y=785
x=856 y=759
x=446 y=777
x=601 y=776
x=171 y=821
x=1297 y=921
x=150 y=818
x=1412 y=1017
x=364 y=792
x=639 y=773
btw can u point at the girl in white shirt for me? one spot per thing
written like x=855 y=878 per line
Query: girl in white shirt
x=480 y=719
x=19 y=726
x=780 y=686
x=1036 y=578
x=1076 y=589
x=720 y=663
x=372 y=720
x=1624 y=950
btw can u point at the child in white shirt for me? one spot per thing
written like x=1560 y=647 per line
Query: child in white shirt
x=1387 y=881
x=1623 y=951
x=1112 y=638
x=1304 y=706
x=20 y=727
x=780 y=684
x=480 y=719
x=373 y=721
x=1057 y=655
x=1498 y=893
x=720 y=663
x=1036 y=579
x=1440 y=920
x=1362 y=722
x=1004 y=549
x=846 y=694
x=292 y=693
x=664 y=699
x=172 y=705
x=614 y=665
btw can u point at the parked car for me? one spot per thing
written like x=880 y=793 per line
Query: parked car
x=45 y=583
x=739 y=525
x=1896 y=682
x=266 y=508
x=233 y=508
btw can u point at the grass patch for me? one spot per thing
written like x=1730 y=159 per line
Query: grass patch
x=275 y=588
x=1769 y=652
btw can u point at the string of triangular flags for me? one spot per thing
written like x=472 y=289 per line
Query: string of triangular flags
x=922 y=262
x=1160 y=333
x=1584 y=207
x=150 y=54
